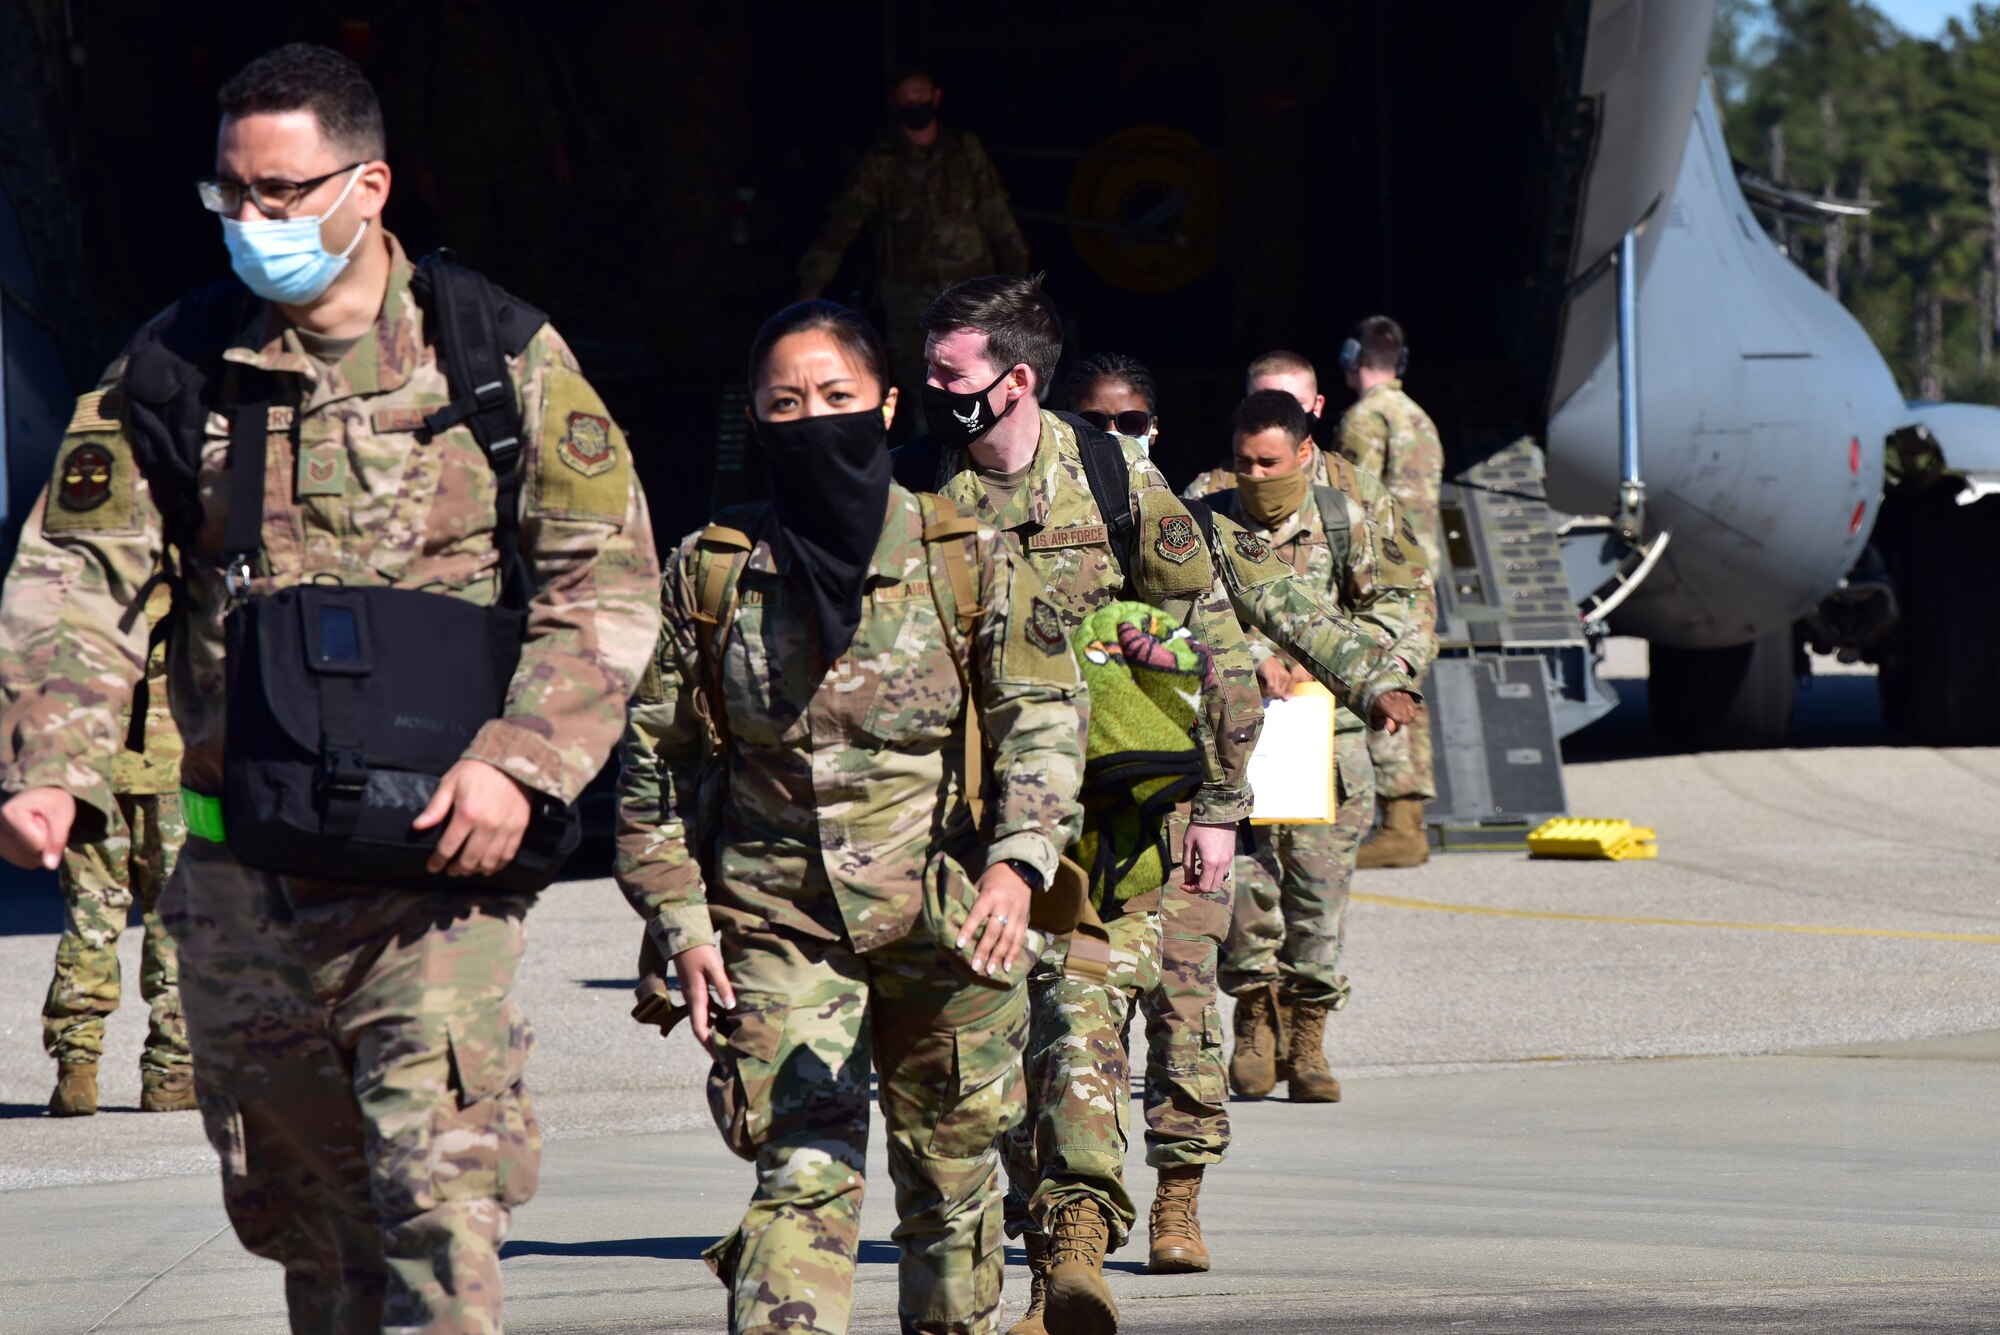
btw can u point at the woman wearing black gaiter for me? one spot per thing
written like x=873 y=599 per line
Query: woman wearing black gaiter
x=796 y=831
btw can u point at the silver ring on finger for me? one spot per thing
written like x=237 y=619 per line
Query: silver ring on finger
x=1000 y=918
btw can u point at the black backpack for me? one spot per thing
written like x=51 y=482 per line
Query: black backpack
x=346 y=704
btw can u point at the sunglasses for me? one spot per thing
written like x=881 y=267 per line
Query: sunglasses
x=1135 y=423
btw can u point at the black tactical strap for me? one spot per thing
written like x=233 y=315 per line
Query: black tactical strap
x=1110 y=479
x=468 y=340
x=343 y=760
x=249 y=458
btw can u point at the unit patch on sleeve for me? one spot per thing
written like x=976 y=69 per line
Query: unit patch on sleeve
x=586 y=446
x=1044 y=629
x=1252 y=547
x=86 y=479
x=583 y=465
x=1178 y=540
x=94 y=489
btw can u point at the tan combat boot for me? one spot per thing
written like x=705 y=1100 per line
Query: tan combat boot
x=170 y=1091
x=1031 y=1322
x=1253 y=1064
x=1079 y=1301
x=1305 y=1057
x=1401 y=841
x=1173 y=1233
x=76 y=1090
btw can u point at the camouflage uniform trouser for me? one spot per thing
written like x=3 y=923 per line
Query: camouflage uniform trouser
x=358 y=1061
x=99 y=883
x=1291 y=895
x=1402 y=761
x=789 y=1090
x=1187 y=1114
x=1080 y=1082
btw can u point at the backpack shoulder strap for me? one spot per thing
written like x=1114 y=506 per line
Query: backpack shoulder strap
x=943 y=521
x=168 y=387
x=946 y=532
x=1332 y=504
x=477 y=326
x=1110 y=478
x=721 y=552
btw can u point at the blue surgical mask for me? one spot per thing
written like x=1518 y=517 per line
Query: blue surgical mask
x=283 y=259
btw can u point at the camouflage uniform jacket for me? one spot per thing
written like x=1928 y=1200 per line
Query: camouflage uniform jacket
x=1386 y=434
x=1418 y=644
x=1055 y=521
x=366 y=497
x=841 y=783
x=1365 y=574
x=941 y=215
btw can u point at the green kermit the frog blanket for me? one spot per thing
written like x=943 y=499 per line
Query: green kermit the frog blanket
x=1145 y=674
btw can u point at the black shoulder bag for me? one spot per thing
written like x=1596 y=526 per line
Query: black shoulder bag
x=348 y=704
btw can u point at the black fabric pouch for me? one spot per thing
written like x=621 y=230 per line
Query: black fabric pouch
x=346 y=706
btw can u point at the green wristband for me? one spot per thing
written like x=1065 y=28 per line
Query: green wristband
x=203 y=815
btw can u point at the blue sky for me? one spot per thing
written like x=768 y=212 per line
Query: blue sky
x=1924 y=18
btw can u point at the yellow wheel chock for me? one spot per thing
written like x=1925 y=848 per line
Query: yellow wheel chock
x=1605 y=840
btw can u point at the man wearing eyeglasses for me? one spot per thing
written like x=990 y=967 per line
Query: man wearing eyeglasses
x=358 y=1056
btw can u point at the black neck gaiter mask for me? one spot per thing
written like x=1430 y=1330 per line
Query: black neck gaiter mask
x=830 y=488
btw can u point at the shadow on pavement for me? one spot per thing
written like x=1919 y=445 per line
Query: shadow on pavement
x=663 y=1249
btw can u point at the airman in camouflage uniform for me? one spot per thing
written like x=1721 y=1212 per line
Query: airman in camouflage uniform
x=1385 y=433
x=840 y=844
x=1283 y=951
x=1072 y=1148
x=100 y=882
x=357 y=1051
x=940 y=215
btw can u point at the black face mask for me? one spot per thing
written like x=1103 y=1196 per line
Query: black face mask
x=830 y=490
x=960 y=419
x=917 y=118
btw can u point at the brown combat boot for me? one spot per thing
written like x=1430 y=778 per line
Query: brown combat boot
x=1401 y=841
x=169 y=1091
x=1032 y=1320
x=76 y=1090
x=1305 y=1057
x=1253 y=1064
x=1173 y=1233
x=1079 y=1301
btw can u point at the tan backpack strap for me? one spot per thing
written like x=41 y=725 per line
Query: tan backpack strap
x=723 y=550
x=957 y=568
x=945 y=528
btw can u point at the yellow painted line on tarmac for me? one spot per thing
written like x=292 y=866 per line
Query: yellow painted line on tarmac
x=1801 y=929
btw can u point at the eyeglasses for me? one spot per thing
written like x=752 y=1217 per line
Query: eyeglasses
x=1134 y=423
x=220 y=196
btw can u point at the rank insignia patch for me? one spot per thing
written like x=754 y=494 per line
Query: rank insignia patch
x=1044 y=628
x=322 y=472
x=1250 y=546
x=586 y=446
x=1177 y=539
x=86 y=479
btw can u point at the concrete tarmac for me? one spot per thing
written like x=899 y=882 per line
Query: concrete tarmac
x=1748 y=1086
